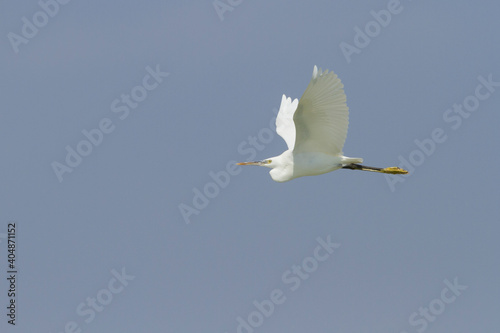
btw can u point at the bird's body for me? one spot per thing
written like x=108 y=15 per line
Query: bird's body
x=290 y=165
x=315 y=129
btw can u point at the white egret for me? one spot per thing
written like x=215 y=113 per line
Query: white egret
x=314 y=129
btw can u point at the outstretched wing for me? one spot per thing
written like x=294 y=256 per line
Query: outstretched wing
x=322 y=116
x=285 y=126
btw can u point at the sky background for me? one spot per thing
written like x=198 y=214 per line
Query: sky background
x=120 y=208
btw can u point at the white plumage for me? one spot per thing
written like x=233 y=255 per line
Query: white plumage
x=314 y=129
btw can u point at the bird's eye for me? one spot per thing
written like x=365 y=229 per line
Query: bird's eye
x=268 y=161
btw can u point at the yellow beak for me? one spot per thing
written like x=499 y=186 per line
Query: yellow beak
x=249 y=163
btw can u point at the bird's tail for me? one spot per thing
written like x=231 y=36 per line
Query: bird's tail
x=390 y=170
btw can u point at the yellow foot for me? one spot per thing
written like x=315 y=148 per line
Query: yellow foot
x=394 y=171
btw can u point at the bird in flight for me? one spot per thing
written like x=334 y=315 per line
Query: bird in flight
x=314 y=129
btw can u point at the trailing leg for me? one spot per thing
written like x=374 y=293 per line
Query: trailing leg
x=390 y=170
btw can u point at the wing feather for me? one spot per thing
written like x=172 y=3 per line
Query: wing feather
x=285 y=126
x=322 y=116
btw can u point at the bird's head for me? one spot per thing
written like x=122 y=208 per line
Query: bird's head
x=282 y=166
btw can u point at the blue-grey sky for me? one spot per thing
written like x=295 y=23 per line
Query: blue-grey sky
x=120 y=125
